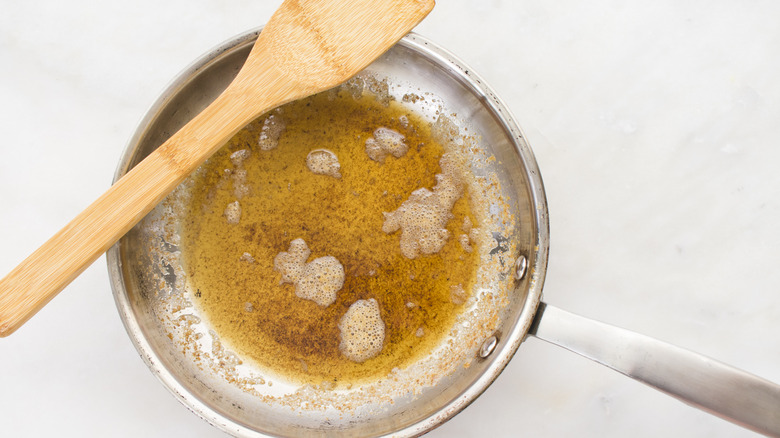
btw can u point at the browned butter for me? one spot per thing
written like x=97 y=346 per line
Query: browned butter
x=231 y=265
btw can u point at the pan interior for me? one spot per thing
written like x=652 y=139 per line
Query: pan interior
x=154 y=297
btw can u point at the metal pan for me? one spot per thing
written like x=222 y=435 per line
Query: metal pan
x=151 y=290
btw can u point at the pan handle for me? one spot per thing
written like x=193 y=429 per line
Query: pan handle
x=707 y=384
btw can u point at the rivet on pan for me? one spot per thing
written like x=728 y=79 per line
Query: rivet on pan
x=521 y=265
x=488 y=346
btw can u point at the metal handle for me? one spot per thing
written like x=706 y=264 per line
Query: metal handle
x=707 y=384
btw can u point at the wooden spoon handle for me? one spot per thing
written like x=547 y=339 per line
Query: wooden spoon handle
x=32 y=284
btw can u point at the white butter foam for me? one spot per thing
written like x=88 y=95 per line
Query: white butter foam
x=386 y=141
x=233 y=213
x=272 y=129
x=362 y=331
x=318 y=281
x=323 y=162
x=423 y=217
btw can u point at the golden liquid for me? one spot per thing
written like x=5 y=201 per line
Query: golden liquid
x=343 y=218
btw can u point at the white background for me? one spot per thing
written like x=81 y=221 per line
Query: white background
x=656 y=125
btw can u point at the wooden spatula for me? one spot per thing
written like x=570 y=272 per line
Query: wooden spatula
x=308 y=46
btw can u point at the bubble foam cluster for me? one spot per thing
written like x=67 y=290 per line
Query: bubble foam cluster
x=272 y=129
x=362 y=331
x=240 y=186
x=458 y=295
x=386 y=141
x=423 y=217
x=238 y=157
x=323 y=162
x=470 y=235
x=318 y=280
x=233 y=213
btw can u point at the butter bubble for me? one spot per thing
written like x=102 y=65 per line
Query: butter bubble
x=272 y=129
x=362 y=331
x=386 y=141
x=423 y=217
x=233 y=213
x=318 y=281
x=323 y=162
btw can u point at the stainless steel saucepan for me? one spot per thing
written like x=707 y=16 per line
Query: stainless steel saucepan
x=152 y=294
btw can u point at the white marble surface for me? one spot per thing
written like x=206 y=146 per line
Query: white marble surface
x=655 y=124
